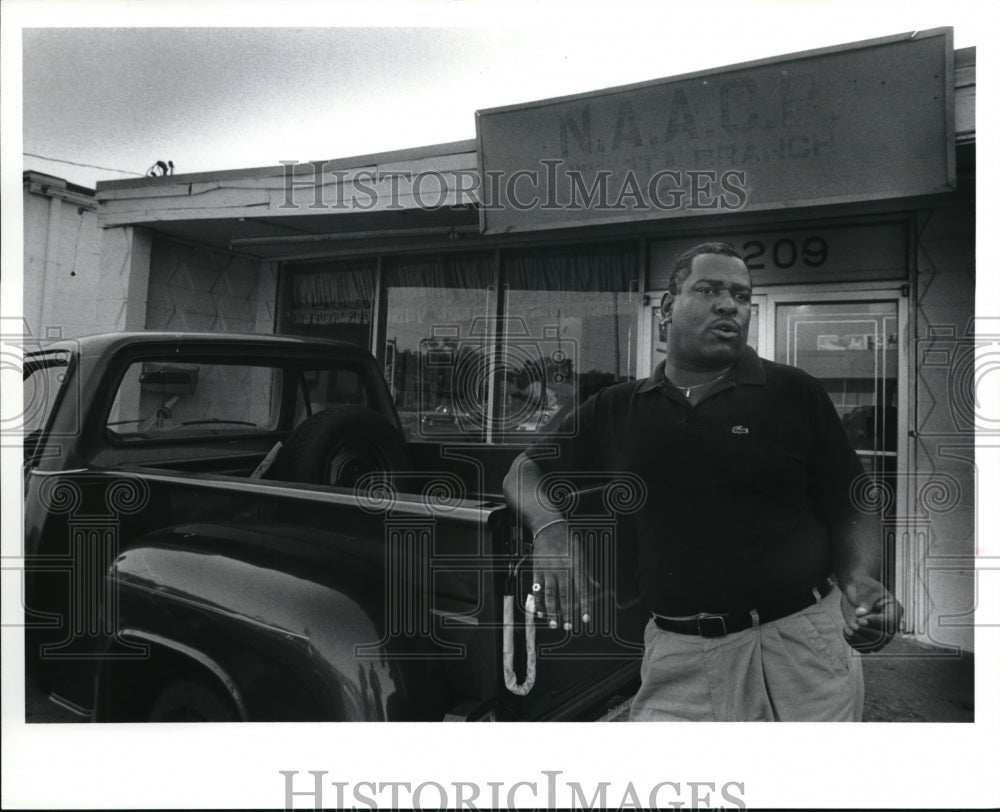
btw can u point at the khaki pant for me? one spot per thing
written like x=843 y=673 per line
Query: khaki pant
x=796 y=669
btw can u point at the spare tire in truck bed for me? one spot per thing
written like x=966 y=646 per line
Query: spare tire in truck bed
x=338 y=446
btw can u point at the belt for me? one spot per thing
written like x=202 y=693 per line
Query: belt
x=719 y=624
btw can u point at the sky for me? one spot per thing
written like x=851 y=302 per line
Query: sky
x=122 y=85
x=211 y=98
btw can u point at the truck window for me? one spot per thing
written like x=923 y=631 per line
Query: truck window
x=160 y=400
x=335 y=387
x=45 y=378
x=322 y=389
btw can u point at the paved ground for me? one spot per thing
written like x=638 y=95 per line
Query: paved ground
x=906 y=682
x=911 y=682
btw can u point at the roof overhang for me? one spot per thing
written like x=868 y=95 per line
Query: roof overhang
x=300 y=209
x=50 y=186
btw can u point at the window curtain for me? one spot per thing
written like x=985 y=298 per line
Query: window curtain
x=421 y=290
x=574 y=273
x=340 y=294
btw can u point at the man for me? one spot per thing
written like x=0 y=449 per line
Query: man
x=748 y=514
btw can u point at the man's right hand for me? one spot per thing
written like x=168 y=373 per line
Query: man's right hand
x=871 y=613
x=561 y=589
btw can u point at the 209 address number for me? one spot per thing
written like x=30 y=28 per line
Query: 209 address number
x=785 y=253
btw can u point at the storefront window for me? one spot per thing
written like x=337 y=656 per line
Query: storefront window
x=332 y=300
x=464 y=365
x=439 y=320
x=571 y=321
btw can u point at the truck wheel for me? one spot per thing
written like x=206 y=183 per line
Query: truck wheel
x=192 y=701
x=338 y=446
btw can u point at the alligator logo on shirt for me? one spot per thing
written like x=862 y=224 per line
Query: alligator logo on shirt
x=740 y=430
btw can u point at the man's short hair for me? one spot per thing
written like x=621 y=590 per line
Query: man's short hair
x=682 y=267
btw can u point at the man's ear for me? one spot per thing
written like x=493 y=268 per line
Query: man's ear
x=666 y=306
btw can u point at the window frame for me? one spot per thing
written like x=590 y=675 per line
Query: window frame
x=494 y=433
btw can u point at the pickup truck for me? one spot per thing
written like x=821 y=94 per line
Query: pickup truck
x=224 y=527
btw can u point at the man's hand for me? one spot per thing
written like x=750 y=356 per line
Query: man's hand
x=871 y=613
x=561 y=588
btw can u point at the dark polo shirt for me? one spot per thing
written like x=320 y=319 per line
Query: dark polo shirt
x=741 y=488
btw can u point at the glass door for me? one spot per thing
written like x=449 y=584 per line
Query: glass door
x=850 y=342
x=853 y=349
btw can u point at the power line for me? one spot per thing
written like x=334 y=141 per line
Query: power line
x=76 y=163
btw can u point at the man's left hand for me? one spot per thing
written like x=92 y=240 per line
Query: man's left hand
x=871 y=613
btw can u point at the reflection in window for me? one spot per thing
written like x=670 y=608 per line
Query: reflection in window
x=572 y=321
x=439 y=313
x=853 y=349
x=460 y=363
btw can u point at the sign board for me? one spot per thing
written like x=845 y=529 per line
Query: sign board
x=869 y=120
x=829 y=253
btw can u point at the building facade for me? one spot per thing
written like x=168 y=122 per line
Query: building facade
x=501 y=280
x=64 y=283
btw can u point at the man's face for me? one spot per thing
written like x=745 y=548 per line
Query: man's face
x=710 y=314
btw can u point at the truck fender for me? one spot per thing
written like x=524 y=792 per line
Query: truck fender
x=199 y=666
x=250 y=625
